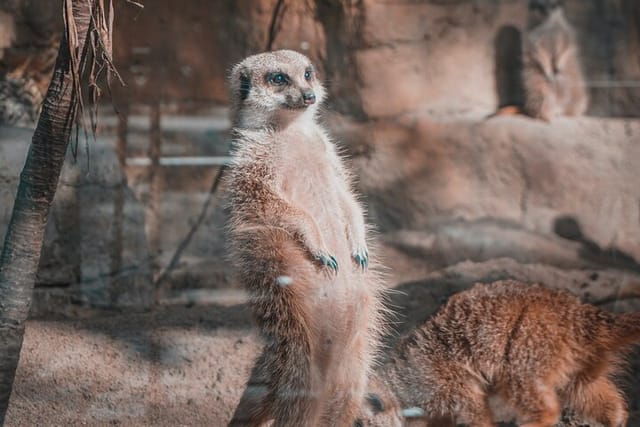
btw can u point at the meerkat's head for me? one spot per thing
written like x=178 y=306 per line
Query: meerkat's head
x=539 y=10
x=273 y=89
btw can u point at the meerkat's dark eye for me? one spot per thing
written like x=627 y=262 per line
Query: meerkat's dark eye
x=307 y=75
x=278 y=79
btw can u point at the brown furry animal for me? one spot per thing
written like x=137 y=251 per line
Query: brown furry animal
x=552 y=78
x=508 y=350
x=299 y=243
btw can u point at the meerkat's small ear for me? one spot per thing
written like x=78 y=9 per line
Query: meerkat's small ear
x=245 y=84
x=240 y=82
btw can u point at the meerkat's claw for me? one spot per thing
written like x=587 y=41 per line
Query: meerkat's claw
x=334 y=264
x=361 y=257
x=328 y=261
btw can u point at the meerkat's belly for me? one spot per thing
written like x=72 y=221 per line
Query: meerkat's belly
x=344 y=337
x=318 y=192
x=342 y=304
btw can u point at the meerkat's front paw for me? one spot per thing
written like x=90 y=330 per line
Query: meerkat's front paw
x=328 y=261
x=361 y=257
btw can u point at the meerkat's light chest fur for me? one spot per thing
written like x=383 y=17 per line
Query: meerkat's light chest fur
x=303 y=164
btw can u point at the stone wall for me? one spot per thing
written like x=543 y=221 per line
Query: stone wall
x=380 y=58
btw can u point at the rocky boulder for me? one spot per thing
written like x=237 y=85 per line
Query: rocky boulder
x=575 y=179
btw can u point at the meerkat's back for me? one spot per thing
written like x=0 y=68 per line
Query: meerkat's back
x=509 y=350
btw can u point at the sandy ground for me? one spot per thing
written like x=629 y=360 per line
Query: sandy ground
x=187 y=365
x=180 y=366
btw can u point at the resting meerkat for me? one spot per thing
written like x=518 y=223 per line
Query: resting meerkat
x=551 y=73
x=299 y=245
x=508 y=350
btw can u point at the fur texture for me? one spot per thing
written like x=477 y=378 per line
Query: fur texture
x=508 y=350
x=299 y=244
x=553 y=80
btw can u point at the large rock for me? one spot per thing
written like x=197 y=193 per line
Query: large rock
x=572 y=178
x=95 y=247
x=380 y=58
x=444 y=57
x=385 y=58
x=442 y=60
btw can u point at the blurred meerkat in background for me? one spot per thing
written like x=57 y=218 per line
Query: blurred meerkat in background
x=505 y=351
x=552 y=78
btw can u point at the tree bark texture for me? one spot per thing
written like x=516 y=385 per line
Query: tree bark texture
x=38 y=182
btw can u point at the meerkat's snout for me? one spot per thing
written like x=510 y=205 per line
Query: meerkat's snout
x=308 y=97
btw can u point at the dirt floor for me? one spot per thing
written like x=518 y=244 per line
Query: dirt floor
x=187 y=365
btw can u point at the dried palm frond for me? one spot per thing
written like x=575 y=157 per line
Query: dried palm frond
x=94 y=60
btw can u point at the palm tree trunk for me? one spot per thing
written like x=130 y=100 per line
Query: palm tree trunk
x=38 y=182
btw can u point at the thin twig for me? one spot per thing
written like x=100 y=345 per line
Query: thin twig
x=175 y=259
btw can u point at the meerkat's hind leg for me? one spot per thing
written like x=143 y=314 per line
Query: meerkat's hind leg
x=464 y=399
x=599 y=400
x=297 y=402
x=296 y=383
x=538 y=405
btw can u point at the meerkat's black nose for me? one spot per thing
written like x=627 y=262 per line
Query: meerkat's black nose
x=309 y=97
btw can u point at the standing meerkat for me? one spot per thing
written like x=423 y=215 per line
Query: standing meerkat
x=299 y=245
x=508 y=350
x=552 y=77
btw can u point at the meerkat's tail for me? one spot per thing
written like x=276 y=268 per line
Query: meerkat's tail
x=626 y=329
